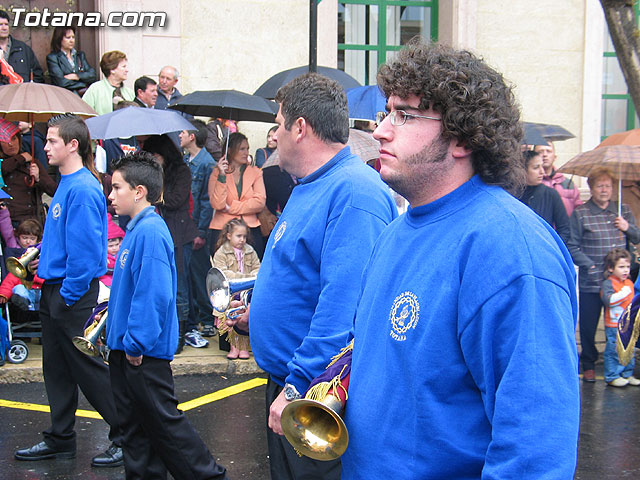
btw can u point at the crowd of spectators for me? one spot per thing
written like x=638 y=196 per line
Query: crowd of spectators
x=205 y=189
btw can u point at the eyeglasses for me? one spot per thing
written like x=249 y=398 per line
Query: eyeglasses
x=399 y=117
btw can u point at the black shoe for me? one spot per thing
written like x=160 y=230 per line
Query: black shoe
x=42 y=451
x=112 y=457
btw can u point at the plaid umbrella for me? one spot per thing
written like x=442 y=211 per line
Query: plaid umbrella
x=7 y=130
x=623 y=162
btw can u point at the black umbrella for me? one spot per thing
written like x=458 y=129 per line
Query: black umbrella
x=551 y=132
x=229 y=104
x=269 y=88
x=532 y=135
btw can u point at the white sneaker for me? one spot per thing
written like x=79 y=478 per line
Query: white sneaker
x=195 y=340
x=619 y=382
x=633 y=381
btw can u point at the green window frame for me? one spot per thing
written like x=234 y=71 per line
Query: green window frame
x=631 y=118
x=381 y=47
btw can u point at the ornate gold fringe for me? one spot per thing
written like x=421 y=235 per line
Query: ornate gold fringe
x=346 y=349
x=95 y=322
x=241 y=342
x=626 y=354
x=319 y=391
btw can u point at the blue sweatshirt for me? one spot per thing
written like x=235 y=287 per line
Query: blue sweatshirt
x=74 y=242
x=142 y=307
x=305 y=295
x=465 y=362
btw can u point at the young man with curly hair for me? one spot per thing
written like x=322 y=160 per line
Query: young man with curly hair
x=464 y=363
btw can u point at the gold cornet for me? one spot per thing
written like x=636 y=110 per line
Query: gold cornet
x=89 y=343
x=19 y=266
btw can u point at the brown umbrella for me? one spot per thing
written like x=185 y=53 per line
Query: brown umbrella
x=362 y=144
x=623 y=161
x=37 y=102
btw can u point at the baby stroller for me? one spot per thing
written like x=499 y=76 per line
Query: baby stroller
x=16 y=351
x=26 y=325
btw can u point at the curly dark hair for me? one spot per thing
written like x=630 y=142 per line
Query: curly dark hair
x=476 y=104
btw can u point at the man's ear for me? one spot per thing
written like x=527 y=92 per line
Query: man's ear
x=73 y=143
x=301 y=128
x=459 y=149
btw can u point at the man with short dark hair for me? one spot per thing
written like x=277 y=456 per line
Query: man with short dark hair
x=464 y=360
x=19 y=55
x=73 y=256
x=201 y=164
x=307 y=288
x=146 y=92
x=568 y=190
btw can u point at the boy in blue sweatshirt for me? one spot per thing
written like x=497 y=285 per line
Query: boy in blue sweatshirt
x=73 y=256
x=142 y=333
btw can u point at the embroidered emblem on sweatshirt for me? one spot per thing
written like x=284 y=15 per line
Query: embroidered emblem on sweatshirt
x=404 y=315
x=123 y=258
x=279 y=233
x=56 y=210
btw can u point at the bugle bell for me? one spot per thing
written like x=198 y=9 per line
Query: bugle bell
x=313 y=425
x=220 y=289
x=89 y=343
x=19 y=266
x=315 y=428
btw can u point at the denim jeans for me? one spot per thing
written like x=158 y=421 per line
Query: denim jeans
x=183 y=294
x=612 y=367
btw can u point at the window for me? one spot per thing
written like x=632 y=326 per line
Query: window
x=370 y=31
x=618 y=112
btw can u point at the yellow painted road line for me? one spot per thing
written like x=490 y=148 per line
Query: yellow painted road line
x=224 y=393
x=195 y=403
x=45 y=408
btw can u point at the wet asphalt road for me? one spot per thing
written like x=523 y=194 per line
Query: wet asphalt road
x=234 y=430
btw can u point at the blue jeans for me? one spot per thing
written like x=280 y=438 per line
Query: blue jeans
x=183 y=293
x=612 y=367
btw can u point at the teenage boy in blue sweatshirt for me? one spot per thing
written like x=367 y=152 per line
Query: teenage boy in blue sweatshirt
x=142 y=333
x=72 y=258
x=464 y=361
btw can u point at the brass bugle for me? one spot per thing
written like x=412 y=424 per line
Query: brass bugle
x=220 y=289
x=19 y=266
x=89 y=343
x=315 y=428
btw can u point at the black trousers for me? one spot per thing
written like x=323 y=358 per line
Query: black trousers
x=590 y=309
x=156 y=435
x=285 y=463
x=66 y=368
x=198 y=268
